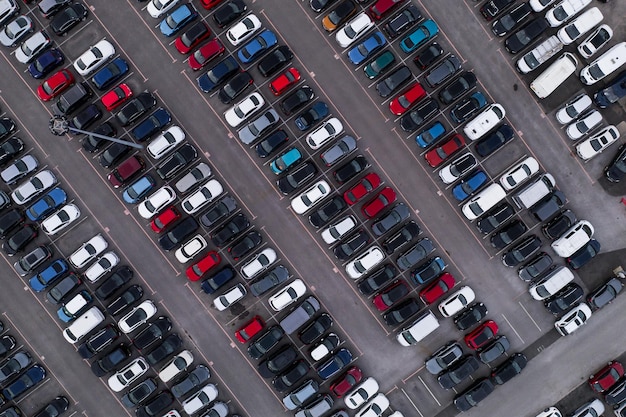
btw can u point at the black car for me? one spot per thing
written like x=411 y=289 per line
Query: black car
x=179 y=160
x=508 y=234
x=535 y=268
x=563 y=300
x=583 y=255
x=271 y=143
x=315 y=329
x=351 y=245
x=192 y=36
x=616 y=169
x=278 y=361
x=444 y=357
x=111 y=360
x=159 y=403
x=190 y=382
x=493 y=8
x=461 y=85
x=560 y=224
x=468 y=107
x=318 y=5
x=340 y=14
x=522 y=251
x=86 y=117
x=443 y=71
x=402 y=21
x=63 y=288
x=351 y=169
x=166 y=348
x=604 y=294
x=10 y=220
x=297 y=178
x=402 y=312
x=495 y=140
x=274 y=60
x=377 y=279
x=471 y=316
x=269 y=281
x=416 y=254
x=403 y=236
x=428 y=56
x=495 y=218
x=113 y=154
x=474 y=394
x=526 y=35
x=125 y=300
x=510 y=368
x=54 y=408
x=417 y=117
x=217 y=280
x=296 y=100
x=113 y=283
x=218 y=74
x=457 y=373
x=7 y=126
x=510 y=20
x=9 y=149
x=305 y=120
x=151 y=124
x=234 y=87
x=139 y=393
x=135 y=108
x=98 y=341
x=327 y=211
x=548 y=206
x=178 y=233
x=7 y=344
x=219 y=211
x=265 y=342
x=67 y=18
x=394 y=81
x=152 y=333
x=494 y=349
x=228 y=13
x=230 y=230
x=18 y=240
x=92 y=143
x=290 y=377
x=244 y=245
x=391 y=219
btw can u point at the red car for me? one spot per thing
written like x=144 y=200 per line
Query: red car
x=192 y=37
x=481 y=335
x=387 y=297
x=346 y=382
x=382 y=200
x=437 y=289
x=251 y=328
x=209 y=4
x=381 y=7
x=436 y=156
x=403 y=102
x=55 y=85
x=116 y=97
x=606 y=377
x=165 y=219
x=285 y=80
x=205 y=54
x=368 y=183
x=195 y=271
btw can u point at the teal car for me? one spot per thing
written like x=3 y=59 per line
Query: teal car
x=379 y=65
x=424 y=32
x=286 y=160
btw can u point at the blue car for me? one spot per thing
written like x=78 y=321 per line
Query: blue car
x=424 y=32
x=285 y=160
x=33 y=375
x=365 y=49
x=134 y=192
x=468 y=186
x=430 y=135
x=312 y=115
x=428 y=271
x=335 y=364
x=46 y=277
x=219 y=73
x=176 y=20
x=255 y=48
x=109 y=74
x=45 y=63
x=69 y=311
x=153 y=123
x=46 y=204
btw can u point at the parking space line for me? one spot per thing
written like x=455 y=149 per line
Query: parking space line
x=529 y=316
x=513 y=328
x=34 y=389
x=16 y=117
x=429 y=390
x=411 y=401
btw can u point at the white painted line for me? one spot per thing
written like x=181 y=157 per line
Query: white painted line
x=529 y=316
x=412 y=403
x=429 y=391
x=507 y=320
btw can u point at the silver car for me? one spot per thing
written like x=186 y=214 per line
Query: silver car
x=16 y=30
x=253 y=130
x=342 y=148
x=201 y=172
x=19 y=169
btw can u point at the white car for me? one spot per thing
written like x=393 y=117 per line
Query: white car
x=324 y=347
x=60 y=219
x=597 y=143
x=361 y=393
x=230 y=297
x=457 y=301
x=365 y=262
x=156 y=202
x=190 y=249
x=308 y=198
x=574 y=30
x=8 y=8
x=32 y=46
x=591 y=409
x=176 y=365
x=287 y=295
x=165 y=142
x=354 y=29
x=88 y=251
x=486 y=120
x=374 y=407
x=574 y=319
x=539 y=5
x=102 y=266
x=519 y=173
x=259 y=263
x=582 y=126
x=128 y=374
x=550 y=412
x=565 y=10
x=202 y=196
x=192 y=178
x=573 y=109
x=36 y=184
x=323 y=134
x=595 y=41
x=18 y=169
x=457 y=168
x=241 y=111
x=200 y=399
x=335 y=231
x=137 y=316
x=573 y=239
x=243 y=29
x=157 y=8
x=94 y=57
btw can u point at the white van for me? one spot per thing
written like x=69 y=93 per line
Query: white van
x=532 y=193
x=551 y=283
x=483 y=201
x=554 y=75
x=484 y=121
x=84 y=324
x=604 y=65
x=424 y=325
x=579 y=26
x=539 y=54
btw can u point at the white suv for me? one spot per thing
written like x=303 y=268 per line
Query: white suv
x=365 y=262
x=354 y=29
x=202 y=196
x=165 y=142
x=287 y=295
x=128 y=374
x=176 y=365
x=335 y=231
x=230 y=297
x=565 y=10
x=575 y=238
x=484 y=121
x=156 y=202
x=88 y=251
x=259 y=263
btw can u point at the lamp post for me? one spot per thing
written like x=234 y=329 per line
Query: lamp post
x=59 y=126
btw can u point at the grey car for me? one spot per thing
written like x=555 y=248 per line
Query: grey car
x=462 y=370
x=302 y=394
x=320 y=406
x=270 y=280
x=255 y=129
x=443 y=71
x=19 y=169
x=416 y=254
x=342 y=148
x=16 y=30
x=14 y=365
x=192 y=381
x=219 y=409
x=197 y=174
x=443 y=357
x=604 y=294
x=494 y=350
x=32 y=260
x=394 y=217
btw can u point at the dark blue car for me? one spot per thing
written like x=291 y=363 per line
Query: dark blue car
x=46 y=277
x=218 y=74
x=155 y=122
x=110 y=73
x=46 y=204
x=34 y=375
x=177 y=19
x=45 y=63
x=428 y=271
x=335 y=364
